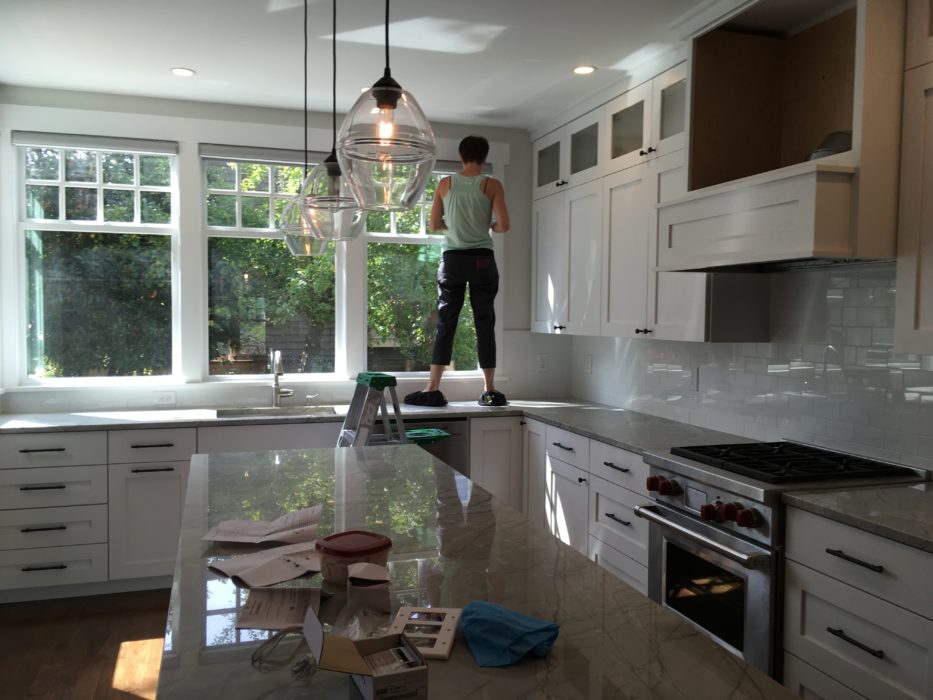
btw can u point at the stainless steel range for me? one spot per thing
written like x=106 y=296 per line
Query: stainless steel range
x=717 y=532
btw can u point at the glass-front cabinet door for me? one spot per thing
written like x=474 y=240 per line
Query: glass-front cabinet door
x=583 y=148
x=550 y=163
x=627 y=122
x=669 y=118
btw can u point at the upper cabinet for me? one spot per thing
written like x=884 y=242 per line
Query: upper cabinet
x=792 y=137
x=645 y=122
x=568 y=156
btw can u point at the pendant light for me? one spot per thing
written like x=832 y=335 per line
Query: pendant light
x=299 y=238
x=328 y=205
x=385 y=146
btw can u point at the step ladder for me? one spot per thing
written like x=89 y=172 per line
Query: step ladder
x=369 y=397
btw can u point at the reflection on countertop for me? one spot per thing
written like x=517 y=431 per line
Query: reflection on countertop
x=452 y=543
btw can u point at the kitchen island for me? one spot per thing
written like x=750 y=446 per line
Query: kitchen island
x=452 y=543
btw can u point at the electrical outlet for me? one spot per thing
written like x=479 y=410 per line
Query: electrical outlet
x=542 y=363
x=588 y=364
x=163 y=398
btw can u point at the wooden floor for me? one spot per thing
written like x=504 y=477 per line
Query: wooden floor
x=96 y=647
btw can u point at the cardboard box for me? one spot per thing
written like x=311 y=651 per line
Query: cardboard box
x=368 y=587
x=382 y=668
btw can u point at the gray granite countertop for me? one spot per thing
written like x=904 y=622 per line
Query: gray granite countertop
x=452 y=543
x=901 y=513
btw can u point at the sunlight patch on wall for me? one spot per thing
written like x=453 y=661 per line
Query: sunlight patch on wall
x=428 y=34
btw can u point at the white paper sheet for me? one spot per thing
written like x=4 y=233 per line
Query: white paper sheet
x=270 y=566
x=278 y=608
x=298 y=526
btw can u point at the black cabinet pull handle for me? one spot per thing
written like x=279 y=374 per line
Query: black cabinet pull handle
x=612 y=516
x=30 y=450
x=44 y=529
x=521 y=422
x=581 y=480
x=155 y=444
x=152 y=469
x=842 y=555
x=42 y=488
x=624 y=470
x=651 y=149
x=561 y=183
x=563 y=447
x=642 y=152
x=646 y=331
x=559 y=328
x=44 y=568
x=877 y=653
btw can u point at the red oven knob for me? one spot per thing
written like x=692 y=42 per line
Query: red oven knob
x=667 y=487
x=709 y=511
x=652 y=483
x=729 y=511
x=748 y=517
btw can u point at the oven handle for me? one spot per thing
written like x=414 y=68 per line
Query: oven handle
x=749 y=561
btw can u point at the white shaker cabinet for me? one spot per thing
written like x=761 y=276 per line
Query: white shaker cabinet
x=565 y=250
x=535 y=456
x=568 y=156
x=496 y=461
x=919 y=40
x=568 y=496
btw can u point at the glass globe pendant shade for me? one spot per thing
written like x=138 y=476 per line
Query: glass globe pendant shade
x=386 y=148
x=327 y=204
x=298 y=236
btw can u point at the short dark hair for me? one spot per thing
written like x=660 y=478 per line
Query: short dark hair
x=474 y=149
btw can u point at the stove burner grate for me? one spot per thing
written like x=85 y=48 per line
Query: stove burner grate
x=787 y=462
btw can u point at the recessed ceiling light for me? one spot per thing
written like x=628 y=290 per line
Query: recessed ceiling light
x=583 y=70
x=183 y=72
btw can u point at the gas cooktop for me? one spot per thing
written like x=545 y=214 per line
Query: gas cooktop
x=789 y=462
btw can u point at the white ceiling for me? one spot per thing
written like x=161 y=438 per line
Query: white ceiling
x=501 y=62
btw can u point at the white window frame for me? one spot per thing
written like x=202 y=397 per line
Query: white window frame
x=23 y=223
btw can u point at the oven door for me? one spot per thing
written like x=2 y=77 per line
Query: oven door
x=723 y=584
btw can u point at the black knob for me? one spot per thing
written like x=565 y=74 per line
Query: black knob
x=581 y=480
x=561 y=183
x=643 y=152
x=651 y=150
x=559 y=328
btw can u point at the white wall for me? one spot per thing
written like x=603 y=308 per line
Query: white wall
x=830 y=377
x=190 y=123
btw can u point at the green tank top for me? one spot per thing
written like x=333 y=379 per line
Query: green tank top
x=467 y=213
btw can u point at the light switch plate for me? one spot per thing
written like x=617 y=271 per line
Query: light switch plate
x=163 y=398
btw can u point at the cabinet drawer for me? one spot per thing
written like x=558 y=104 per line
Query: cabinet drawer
x=883 y=650
x=52 y=527
x=619 y=466
x=568 y=447
x=807 y=682
x=152 y=445
x=53 y=566
x=52 y=449
x=53 y=486
x=622 y=567
x=613 y=519
x=906 y=572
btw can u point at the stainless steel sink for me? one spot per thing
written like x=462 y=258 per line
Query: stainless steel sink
x=276 y=411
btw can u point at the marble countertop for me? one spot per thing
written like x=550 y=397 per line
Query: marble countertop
x=452 y=543
x=901 y=513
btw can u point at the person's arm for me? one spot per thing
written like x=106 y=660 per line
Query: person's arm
x=436 y=221
x=500 y=212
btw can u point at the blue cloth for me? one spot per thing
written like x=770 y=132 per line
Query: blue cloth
x=498 y=636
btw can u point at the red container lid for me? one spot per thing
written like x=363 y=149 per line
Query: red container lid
x=353 y=543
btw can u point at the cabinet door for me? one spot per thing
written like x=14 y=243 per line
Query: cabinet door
x=913 y=325
x=919 y=47
x=154 y=445
x=568 y=497
x=582 y=145
x=676 y=300
x=550 y=265
x=628 y=211
x=584 y=213
x=257 y=438
x=550 y=164
x=496 y=458
x=627 y=123
x=536 y=487
x=669 y=110
x=146 y=503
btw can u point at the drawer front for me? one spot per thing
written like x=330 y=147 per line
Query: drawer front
x=905 y=574
x=883 y=650
x=52 y=527
x=568 y=447
x=128 y=446
x=613 y=519
x=53 y=486
x=53 y=566
x=622 y=567
x=807 y=682
x=52 y=449
x=619 y=466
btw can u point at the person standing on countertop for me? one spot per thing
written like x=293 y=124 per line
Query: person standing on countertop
x=467 y=207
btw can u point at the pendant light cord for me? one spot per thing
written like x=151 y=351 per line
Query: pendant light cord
x=306 y=88
x=333 y=112
x=387 y=36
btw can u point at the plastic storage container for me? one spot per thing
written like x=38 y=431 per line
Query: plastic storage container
x=341 y=549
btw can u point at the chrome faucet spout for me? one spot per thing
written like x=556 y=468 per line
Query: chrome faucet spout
x=278 y=370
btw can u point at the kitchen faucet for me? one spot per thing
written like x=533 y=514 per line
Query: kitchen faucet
x=277 y=371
